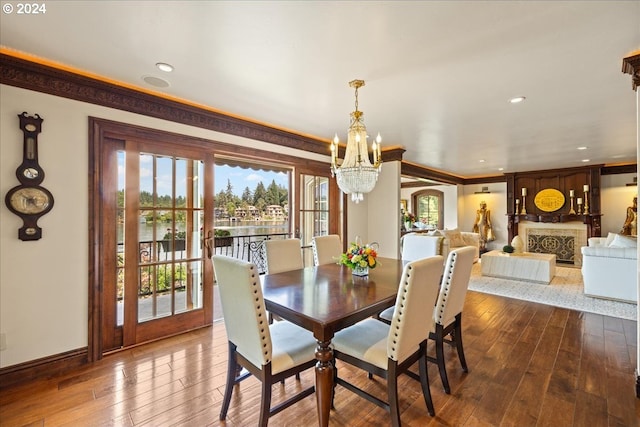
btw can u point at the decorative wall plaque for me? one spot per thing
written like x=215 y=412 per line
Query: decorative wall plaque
x=549 y=200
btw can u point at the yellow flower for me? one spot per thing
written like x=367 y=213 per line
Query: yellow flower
x=372 y=261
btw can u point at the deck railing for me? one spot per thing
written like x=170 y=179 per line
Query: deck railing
x=248 y=247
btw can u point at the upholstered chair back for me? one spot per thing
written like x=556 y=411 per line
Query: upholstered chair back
x=455 y=282
x=326 y=249
x=418 y=285
x=283 y=255
x=245 y=316
x=417 y=246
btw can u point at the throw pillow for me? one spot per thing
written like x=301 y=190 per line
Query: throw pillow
x=610 y=238
x=455 y=238
x=623 y=242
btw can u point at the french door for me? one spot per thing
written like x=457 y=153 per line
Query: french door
x=156 y=280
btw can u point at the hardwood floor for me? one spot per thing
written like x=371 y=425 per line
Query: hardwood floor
x=529 y=365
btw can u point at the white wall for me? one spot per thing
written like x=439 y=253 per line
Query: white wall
x=43 y=283
x=384 y=219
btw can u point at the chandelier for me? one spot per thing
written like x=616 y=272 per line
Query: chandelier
x=356 y=175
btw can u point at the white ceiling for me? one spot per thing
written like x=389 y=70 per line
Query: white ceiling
x=439 y=75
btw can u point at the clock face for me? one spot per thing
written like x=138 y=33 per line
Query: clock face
x=30 y=173
x=30 y=200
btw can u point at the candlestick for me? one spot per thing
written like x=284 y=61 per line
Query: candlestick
x=524 y=202
x=524 y=191
x=571 y=211
x=517 y=206
x=579 y=205
x=586 y=201
x=585 y=188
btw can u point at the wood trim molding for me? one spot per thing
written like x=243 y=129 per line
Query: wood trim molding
x=414 y=170
x=41 y=78
x=631 y=65
x=45 y=367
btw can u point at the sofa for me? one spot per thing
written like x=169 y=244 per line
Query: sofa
x=610 y=268
x=439 y=242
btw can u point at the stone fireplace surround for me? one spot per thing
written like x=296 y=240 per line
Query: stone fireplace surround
x=563 y=239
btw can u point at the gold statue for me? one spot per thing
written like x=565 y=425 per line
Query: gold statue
x=630 y=227
x=482 y=225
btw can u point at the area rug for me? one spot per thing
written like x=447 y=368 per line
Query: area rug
x=565 y=290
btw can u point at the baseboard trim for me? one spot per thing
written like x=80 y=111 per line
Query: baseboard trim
x=44 y=368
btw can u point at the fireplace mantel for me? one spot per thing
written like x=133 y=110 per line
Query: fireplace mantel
x=592 y=221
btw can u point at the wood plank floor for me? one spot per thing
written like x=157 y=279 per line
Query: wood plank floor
x=529 y=365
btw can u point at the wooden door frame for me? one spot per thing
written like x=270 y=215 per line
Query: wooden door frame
x=102 y=129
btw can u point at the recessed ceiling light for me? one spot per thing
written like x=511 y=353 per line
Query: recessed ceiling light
x=163 y=66
x=155 y=81
x=582 y=148
x=500 y=169
x=517 y=99
x=481 y=160
x=586 y=160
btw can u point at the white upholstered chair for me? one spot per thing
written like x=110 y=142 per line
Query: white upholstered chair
x=447 y=314
x=417 y=245
x=269 y=352
x=326 y=249
x=283 y=255
x=389 y=350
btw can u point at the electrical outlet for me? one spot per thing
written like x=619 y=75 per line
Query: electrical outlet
x=3 y=341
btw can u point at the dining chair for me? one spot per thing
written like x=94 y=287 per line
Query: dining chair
x=447 y=313
x=271 y=353
x=326 y=249
x=390 y=350
x=283 y=255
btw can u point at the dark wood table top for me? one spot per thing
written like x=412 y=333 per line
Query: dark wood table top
x=329 y=297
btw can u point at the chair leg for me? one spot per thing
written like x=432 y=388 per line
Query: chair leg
x=392 y=392
x=424 y=381
x=232 y=366
x=265 y=403
x=458 y=340
x=439 y=338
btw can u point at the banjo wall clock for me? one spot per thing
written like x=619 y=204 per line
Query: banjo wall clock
x=29 y=200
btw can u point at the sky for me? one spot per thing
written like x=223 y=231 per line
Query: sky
x=242 y=178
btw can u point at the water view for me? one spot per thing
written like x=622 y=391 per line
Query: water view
x=236 y=228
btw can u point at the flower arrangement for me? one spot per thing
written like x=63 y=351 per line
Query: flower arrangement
x=409 y=217
x=360 y=256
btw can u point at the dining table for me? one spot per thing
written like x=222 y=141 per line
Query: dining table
x=325 y=299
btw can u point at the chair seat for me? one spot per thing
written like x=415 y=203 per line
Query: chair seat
x=366 y=340
x=292 y=346
x=387 y=314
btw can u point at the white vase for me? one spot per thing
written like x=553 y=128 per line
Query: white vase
x=518 y=244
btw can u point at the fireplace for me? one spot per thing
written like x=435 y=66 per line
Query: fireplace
x=564 y=240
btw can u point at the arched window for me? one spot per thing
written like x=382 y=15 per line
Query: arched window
x=429 y=207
